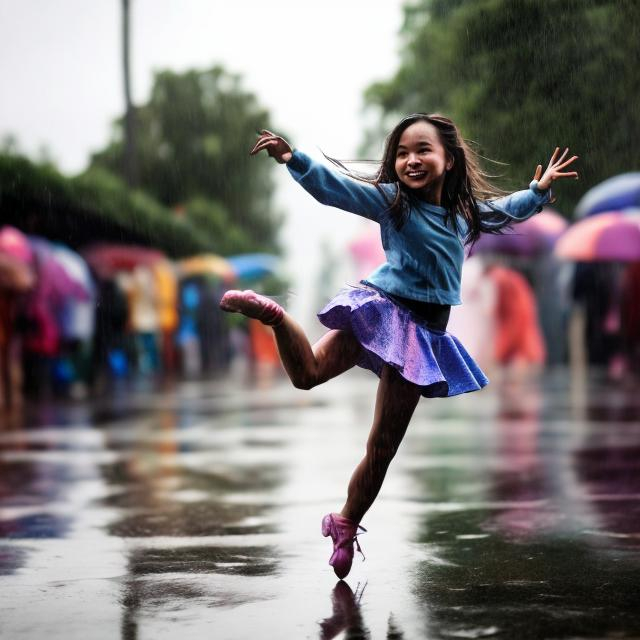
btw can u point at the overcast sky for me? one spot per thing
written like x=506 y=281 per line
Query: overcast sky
x=308 y=62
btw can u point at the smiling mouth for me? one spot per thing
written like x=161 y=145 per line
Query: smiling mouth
x=416 y=174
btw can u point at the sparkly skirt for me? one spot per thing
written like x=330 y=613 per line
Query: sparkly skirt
x=391 y=334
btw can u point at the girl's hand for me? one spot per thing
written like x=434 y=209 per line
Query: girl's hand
x=276 y=146
x=554 y=170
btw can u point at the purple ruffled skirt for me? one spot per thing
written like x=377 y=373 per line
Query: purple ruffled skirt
x=391 y=334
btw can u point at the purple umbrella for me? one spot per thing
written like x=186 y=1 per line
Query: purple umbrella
x=532 y=237
x=609 y=236
x=614 y=194
x=54 y=282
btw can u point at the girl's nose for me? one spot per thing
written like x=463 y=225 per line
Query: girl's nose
x=413 y=159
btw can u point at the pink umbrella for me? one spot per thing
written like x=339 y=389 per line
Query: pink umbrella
x=107 y=259
x=15 y=244
x=612 y=236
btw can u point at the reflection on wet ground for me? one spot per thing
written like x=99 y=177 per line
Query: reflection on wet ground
x=194 y=509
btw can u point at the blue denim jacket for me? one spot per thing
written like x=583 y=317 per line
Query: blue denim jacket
x=424 y=257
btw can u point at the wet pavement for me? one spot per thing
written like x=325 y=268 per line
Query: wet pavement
x=194 y=510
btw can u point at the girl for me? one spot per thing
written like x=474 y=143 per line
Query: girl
x=427 y=197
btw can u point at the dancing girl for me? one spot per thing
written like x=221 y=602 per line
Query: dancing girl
x=430 y=198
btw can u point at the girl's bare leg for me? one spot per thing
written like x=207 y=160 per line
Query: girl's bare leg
x=396 y=401
x=307 y=366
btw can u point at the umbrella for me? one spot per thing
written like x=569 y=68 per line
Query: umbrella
x=54 y=280
x=74 y=264
x=252 y=266
x=207 y=264
x=107 y=259
x=76 y=319
x=609 y=236
x=614 y=194
x=16 y=244
x=532 y=237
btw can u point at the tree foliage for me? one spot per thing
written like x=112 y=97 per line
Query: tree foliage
x=522 y=77
x=192 y=143
x=93 y=207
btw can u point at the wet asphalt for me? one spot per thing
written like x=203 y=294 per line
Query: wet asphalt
x=192 y=510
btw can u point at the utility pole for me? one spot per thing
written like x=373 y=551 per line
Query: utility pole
x=130 y=158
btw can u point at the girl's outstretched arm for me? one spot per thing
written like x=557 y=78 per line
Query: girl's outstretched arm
x=521 y=205
x=324 y=184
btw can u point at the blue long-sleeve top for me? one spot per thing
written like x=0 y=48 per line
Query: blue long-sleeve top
x=424 y=257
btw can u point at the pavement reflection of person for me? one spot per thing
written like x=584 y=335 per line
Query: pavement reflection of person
x=520 y=479
x=346 y=613
x=630 y=317
x=606 y=466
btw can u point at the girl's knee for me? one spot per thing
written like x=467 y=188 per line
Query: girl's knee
x=305 y=382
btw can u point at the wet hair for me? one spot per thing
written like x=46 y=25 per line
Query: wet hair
x=464 y=184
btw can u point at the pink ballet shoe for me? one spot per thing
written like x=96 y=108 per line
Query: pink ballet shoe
x=344 y=534
x=253 y=305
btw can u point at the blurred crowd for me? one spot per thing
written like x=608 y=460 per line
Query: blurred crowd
x=72 y=322
x=545 y=293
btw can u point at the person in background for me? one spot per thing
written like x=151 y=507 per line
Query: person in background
x=518 y=341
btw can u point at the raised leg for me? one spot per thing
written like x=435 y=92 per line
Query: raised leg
x=396 y=401
x=307 y=366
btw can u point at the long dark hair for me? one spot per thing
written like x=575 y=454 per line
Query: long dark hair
x=464 y=184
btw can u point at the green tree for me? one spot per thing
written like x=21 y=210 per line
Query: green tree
x=192 y=142
x=522 y=76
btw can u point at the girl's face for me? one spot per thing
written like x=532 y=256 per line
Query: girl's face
x=421 y=161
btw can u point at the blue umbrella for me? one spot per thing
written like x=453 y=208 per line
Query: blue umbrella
x=615 y=194
x=251 y=266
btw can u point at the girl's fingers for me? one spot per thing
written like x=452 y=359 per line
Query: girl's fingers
x=538 y=172
x=567 y=162
x=265 y=144
x=563 y=156
x=568 y=174
x=255 y=149
x=261 y=139
x=264 y=139
x=554 y=156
